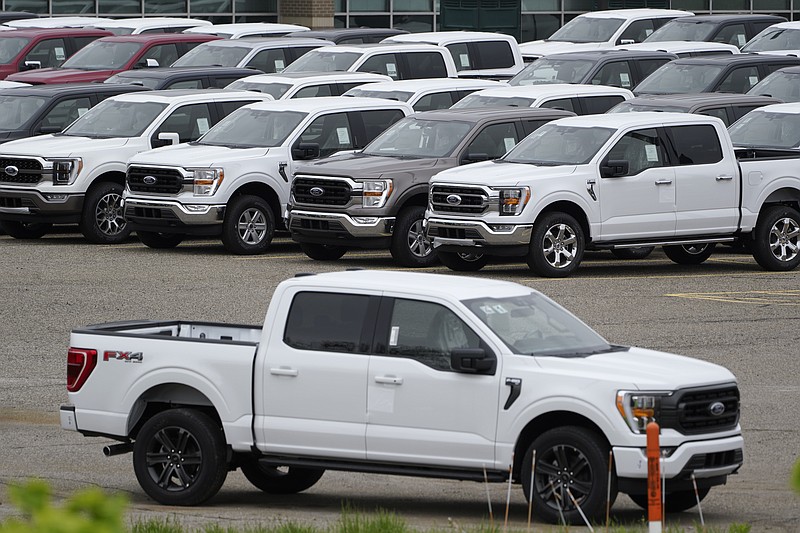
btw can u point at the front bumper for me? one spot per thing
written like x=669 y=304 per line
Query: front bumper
x=340 y=229
x=34 y=206
x=166 y=216
x=469 y=236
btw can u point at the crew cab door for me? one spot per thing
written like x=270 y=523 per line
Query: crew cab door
x=636 y=202
x=420 y=410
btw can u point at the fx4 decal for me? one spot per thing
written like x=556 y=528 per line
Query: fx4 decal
x=128 y=357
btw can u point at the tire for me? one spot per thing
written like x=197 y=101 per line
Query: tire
x=577 y=457
x=249 y=226
x=410 y=246
x=674 y=502
x=632 y=253
x=557 y=245
x=323 y=252
x=776 y=239
x=153 y=239
x=461 y=262
x=689 y=254
x=190 y=436
x=102 y=221
x=280 y=480
x=24 y=230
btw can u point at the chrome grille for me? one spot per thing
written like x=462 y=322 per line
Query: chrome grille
x=167 y=180
x=334 y=191
x=28 y=170
x=471 y=200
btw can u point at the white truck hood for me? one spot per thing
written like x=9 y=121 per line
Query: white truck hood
x=646 y=369
x=543 y=48
x=60 y=145
x=500 y=173
x=188 y=155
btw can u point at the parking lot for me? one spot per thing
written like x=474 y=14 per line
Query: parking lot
x=728 y=311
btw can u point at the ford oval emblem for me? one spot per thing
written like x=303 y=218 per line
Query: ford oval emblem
x=716 y=408
x=149 y=180
x=453 y=199
x=11 y=170
x=317 y=191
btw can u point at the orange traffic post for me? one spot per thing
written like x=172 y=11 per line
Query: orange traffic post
x=653 y=479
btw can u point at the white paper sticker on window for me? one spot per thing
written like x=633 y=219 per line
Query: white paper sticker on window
x=391 y=70
x=753 y=80
x=464 y=59
x=509 y=143
x=393 y=335
x=500 y=309
x=82 y=110
x=652 y=152
x=487 y=309
x=740 y=38
x=279 y=65
x=202 y=125
x=59 y=52
x=344 y=135
x=648 y=31
x=625 y=79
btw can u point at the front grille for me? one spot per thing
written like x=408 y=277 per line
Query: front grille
x=333 y=191
x=317 y=225
x=689 y=410
x=28 y=170
x=453 y=233
x=470 y=200
x=167 y=180
x=10 y=202
x=150 y=213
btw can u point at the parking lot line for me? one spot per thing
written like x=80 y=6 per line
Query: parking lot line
x=787 y=297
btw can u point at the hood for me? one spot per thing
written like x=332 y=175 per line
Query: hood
x=6 y=136
x=543 y=48
x=360 y=165
x=60 y=145
x=193 y=155
x=61 y=75
x=500 y=173
x=7 y=70
x=646 y=369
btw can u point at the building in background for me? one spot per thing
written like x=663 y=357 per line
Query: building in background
x=539 y=18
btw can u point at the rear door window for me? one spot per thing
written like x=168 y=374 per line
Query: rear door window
x=494 y=54
x=330 y=322
x=696 y=145
x=425 y=65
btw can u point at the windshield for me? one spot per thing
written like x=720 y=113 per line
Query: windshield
x=676 y=78
x=627 y=107
x=419 y=138
x=251 y=128
x=535 y=325
x=127 y=79
x=554 y=144
x=18 y=110
x=210 y=55
x=476 y=100
x=10 y=47
x=102 y=55
x=677 y=30
x=774 y=39
x=780 y=85
x=275 y=90
x=322 y=61
x=766 y=129
x=400 y=96
x=553 y=70
x=115 y=119
x=587 y=30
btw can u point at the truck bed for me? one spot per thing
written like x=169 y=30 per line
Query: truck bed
x=177 y=330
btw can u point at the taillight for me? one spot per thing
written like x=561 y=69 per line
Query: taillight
x=80 y=363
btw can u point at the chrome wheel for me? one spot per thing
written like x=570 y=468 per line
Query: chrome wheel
x=418 y=243
x=174 y=459
x=784 y=239
x=252 y=226
x=108 y=214
x=560 y=245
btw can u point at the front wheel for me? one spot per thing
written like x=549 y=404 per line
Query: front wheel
x=153 y=239
x=322 y=252
x=24 y=230
x=571 y=471
x=463 y=262
x=557 y=245
x=410 y=246
x=776 y=239
x=674 y=502
x=249 y=226
x=179 y=457
x=102 y=221
x=280 y=480
x=689 y=254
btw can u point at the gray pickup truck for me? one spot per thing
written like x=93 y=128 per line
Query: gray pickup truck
x=376 y=198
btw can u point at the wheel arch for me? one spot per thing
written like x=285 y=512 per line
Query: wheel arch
x=570 y=208
x=168 y=396
x=113 y=176
x=265 y=192
x=412 y=197
x=788 y=196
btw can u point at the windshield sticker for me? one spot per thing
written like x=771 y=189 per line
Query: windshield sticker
x=59 y=52
x=393 y=335
x=652 y=152
x=487 y=309
x=279 y=65
x=344 y=135
x=509 y=143
x=753 y=80
x=500 y=309
x=391 y=70
x=464 y=59
x=202 y=125
x=741 y=39
x=625 y=79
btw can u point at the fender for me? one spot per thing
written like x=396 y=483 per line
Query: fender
x=757 y=206
x=592 y=212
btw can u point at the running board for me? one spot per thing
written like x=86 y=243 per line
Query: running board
x=666 y=243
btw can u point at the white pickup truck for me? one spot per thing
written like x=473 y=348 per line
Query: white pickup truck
x=620 y=181
x=402 y=373
x=77 y=176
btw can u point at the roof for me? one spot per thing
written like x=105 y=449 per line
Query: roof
x=147 y=38
x=45 y=32
x=56 y=22
x=790 y=108
x=432 y=84
x=478 y=114
x=612 y=53
x=48 y=91
x=735 y=59
x=186 y=95
x=311 y=77
x=380 y=47
x=167 y=72
x=635 y=120
x=329 y=103
x=446 y=37
x=268 y=42
x=552 y=89
x=151 y=22
x=633 y=14
x=734 y=17
x=682 y=47
x=238 y=27
x=336 y=33
x=688 y=101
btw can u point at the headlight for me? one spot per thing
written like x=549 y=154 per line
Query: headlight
x=512 y=201
x=638 y=408
x=375 y=192
x=66 y=170
x=207 y=180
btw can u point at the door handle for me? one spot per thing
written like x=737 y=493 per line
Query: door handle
x=283 y=371
x=389 y=380
x=724 y=177
x=663 y=182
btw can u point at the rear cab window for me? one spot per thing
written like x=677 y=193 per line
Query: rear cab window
x=331 y=322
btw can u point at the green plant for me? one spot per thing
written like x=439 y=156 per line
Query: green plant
x=796 y=477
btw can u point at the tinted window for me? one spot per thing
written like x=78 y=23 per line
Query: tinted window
x=186 y=84
x=327 y=322
x=495 y=54
x=222 y=82
x=740 y=80
x=648 y=66
x=719 y=112
x=533 y=125
x=230 y=107
x=50 y=53
x=381 y=64
x=331 y=132
x=426 y=65
x=344 y=87
x=65 y=113
x=165 y=54
x=189 y=122
x=696 y=145
x=314 y=91
x=375 y=122
x=80 y=42
x=427 y=332
x=594 y=105
x=642 y=149
x=460 y=53
x=494 y=140
x=434 y=101
x=614 y=74
x=741 y=110
x=772 y=67
x=637 y=32
x=732 y=34
x=560 y=103
x=269 y=61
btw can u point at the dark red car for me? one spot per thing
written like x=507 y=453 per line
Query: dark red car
x=107 y=56
x=36 y=48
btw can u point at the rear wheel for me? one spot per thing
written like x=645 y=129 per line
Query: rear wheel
x=463 y=262
x=776 y=239
x=249 y=225
x=322 y=252
x=280 y=480
x=25 y=230
x=674 y=502
x=102 y=221
x=157 y=240
x=410 y=246
x=689 y=254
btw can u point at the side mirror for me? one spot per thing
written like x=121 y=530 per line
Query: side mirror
x=627 y=41
x=474 y=157
x=166 y=139
x=151 y=63
x=44 y=130
x=32 y=65
x=304 y=151
x=614 y=168
x=471 y=360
